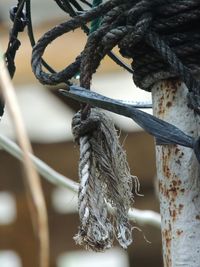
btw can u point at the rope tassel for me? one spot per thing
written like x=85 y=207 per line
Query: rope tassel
x=104 y=179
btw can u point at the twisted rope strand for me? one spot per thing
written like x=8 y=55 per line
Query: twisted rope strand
x=162 y=39
x=161 y=28
x=104 y=177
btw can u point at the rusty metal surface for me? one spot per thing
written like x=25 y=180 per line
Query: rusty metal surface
x=178 y=179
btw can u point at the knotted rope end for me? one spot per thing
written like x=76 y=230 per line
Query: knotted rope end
x=105 y=180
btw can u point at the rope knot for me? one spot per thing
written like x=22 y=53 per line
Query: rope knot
x=104 y=179
x=82 y=127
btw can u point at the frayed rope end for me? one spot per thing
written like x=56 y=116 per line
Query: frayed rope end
x=104 y=179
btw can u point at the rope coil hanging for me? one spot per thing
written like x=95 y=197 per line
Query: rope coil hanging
x=162 y=37
x=104 y=178
x=157 y=36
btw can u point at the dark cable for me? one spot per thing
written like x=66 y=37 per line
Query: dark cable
x=19 y=23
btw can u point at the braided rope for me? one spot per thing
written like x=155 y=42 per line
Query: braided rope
x=95 y=231
x=104 y=178
x=162 y=38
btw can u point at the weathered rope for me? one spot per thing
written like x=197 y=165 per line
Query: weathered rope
x=104 y=178
x=103 y=170
x=19 y=23
x=162 y=37
x=167 y=31
x=21 y=17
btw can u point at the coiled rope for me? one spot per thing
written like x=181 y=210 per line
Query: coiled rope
x=162 y=38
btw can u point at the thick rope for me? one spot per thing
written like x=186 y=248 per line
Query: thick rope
x=162 y=38
x=19 y=23
x=104 y=178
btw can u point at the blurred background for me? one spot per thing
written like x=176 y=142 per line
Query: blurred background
x=47 y=117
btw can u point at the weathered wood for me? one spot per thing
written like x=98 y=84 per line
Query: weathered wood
x=178 y=177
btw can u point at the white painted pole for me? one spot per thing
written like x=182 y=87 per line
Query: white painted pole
x=179 y=179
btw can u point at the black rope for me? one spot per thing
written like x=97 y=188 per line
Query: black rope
x=18 y=18
x=22 y=18
x=38 y=50
x=161 y=36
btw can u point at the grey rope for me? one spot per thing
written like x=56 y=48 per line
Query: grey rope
x=162 y=38
x=104 y=177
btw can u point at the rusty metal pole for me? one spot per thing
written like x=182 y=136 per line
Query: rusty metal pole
x=179 y=179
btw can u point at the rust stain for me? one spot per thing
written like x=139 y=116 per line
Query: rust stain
x=177 y=150
x=174 y=187
x=171 y=187
x=166 y=154
x=173 y=214
x=167 y=238
x=174 y=84
x=174 y=182
x=178 y=153
x=172 y=191
x=170 y=87
x=169 y=104
x=161 y=108
x=179 y=232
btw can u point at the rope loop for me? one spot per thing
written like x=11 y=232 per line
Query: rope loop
x=104 y=178
x=162 y=38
